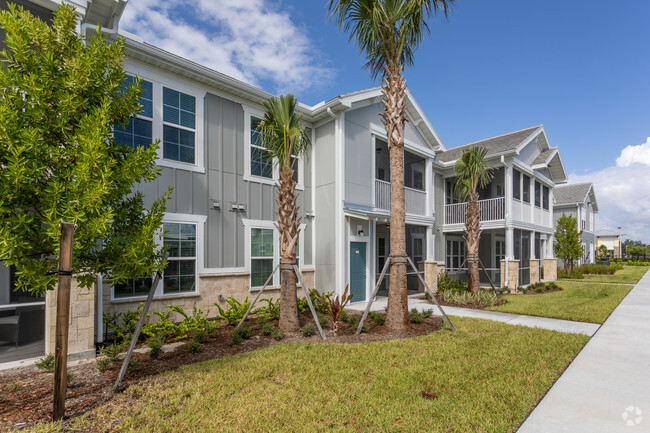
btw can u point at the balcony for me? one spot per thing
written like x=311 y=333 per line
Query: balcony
x=492 y=209
x=415 y=201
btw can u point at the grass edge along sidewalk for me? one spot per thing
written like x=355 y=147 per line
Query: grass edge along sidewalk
x=486 y=377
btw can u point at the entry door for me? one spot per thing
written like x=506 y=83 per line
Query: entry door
x=358 y=271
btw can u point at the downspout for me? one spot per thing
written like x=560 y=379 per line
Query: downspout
x=100 y=308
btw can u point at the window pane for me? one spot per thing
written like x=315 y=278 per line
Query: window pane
x=135 y=133
x=516 y=185
x=179 y=108
x=134 y=287
x=261 y=163
x=260 y=271
x=178 y=144
x=261 y=242
x=538 y=193
x=545 y=197
x=526 y=189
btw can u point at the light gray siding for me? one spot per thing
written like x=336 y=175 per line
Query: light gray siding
x=326 y=208
x=359 y=145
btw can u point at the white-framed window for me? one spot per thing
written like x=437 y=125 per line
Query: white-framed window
x=183 y=235
x=455 y=253
x=258 y=167
x=172 y=113
x=262 y=251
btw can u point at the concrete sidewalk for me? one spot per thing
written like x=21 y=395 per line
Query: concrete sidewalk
x=513 y=319
x=607 y=387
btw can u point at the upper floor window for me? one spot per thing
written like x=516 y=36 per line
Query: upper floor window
x=414 y=169
x=259 y=163
x=545 y=197
x=138 y=131
x=516 y=185
x=179 y=123
x=538 y=194
x=525 y=190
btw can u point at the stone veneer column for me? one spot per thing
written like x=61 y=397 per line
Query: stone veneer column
x=81 y=334
x=550 y=269
x=513 y=273
x=534 y=271
x=431 y=272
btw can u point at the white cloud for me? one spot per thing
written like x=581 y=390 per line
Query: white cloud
x=248 y=40
x=632 y=154
x=623 y=193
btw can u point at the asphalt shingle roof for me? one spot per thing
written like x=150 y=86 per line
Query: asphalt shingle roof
x=542 y=157
x=572 y=193
x=501 y=143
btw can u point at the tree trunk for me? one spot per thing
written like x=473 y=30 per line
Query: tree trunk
x=394 y=88
x=288 y=226
x=472 y=238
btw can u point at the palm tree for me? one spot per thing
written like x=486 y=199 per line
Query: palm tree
x=471 y=173
x=285 y=140
x=388 y=33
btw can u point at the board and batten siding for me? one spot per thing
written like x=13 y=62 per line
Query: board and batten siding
x=223 y=181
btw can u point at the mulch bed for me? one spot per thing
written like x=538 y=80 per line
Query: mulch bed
x=482 y=306
x=26 y=393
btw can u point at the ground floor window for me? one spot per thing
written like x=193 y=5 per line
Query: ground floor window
x=455 y=253
x=180 y=274
x=262 y=256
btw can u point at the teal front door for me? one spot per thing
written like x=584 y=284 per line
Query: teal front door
x=358 y=271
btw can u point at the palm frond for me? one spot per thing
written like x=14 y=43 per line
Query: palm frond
x=471 y=172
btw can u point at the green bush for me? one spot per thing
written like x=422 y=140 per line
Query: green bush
x=343 y=317
x=235 y=312
x=322 y=320
x=46 y=363
x=482 y=298
x=112 y=351
x=123 y=324
x=102 y=363
x=427 y=313
x=194 y=346
x=315 y=301
x=267 y=329
x=551 y=285
x=576 y=274
x=270 y=312
x=415 y=316
x=236 y=338
x=308 y=331
x=278 y=334
x=354 y=324
x=601 y=269
x=155 y=344
x=377 y=318
x=447 y=284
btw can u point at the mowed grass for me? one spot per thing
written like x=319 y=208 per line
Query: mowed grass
x=579 y=301
x=627 y=275
x=487 y=378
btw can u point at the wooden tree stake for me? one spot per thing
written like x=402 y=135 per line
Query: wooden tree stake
x=62 y=319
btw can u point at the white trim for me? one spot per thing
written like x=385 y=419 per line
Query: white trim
x=251 y=111
x=160 y=80
x=409 y=145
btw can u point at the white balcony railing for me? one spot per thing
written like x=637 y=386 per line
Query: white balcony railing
x=415 y=201
x=492 y=209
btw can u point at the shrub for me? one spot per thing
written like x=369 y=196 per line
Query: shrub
x=235 y=312
x=236 y=338
x=601 y=269
x=522 y=289
x=267 y=329
x=482 y=298
x=112 y=351
x=334 y=305
x=194 y=346
x=308 y=331
x=155 y=344
x=103 y=363
x=46 y=363
x=575 y=274
x=427 y=313
x=123 y=324
x=539 y=289
x=343 y=317
x=278 y=334
x=322 y=320
x=270 y=312
x=377 y=318
x=551 y=285
x=240 y=333
x=447 y=284
x=315 y=301
x=415 y=316
x=200 y=336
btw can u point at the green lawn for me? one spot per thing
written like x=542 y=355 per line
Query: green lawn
x=580 y=301
x=487 y=377
x=627 y=275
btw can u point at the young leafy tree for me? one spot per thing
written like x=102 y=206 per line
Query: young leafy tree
x=59 y=98
x=286 y=140
x=471 y=172
x=567 y=245
x=388 y=32
x=602 y=250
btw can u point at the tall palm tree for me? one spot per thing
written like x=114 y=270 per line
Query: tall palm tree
x=388 y=33
x=471 y=173
x=286 y=140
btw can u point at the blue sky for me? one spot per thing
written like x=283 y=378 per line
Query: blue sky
x=581 y=68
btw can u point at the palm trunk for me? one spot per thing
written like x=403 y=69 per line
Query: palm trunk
x=472 y=238
x=393 y=89
x=288 y=226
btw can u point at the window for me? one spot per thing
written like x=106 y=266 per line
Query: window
x=545 y=197
x=138 y=132
x=516 y=185
x=179 y=123
x=180 y=274
x=526 y=189
x=538 y=194
x=499 y=251
x=538 y=245
x=261 y=163
x=261 y=256
x=133 y=288
x=455 y=253
x=451 y=196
